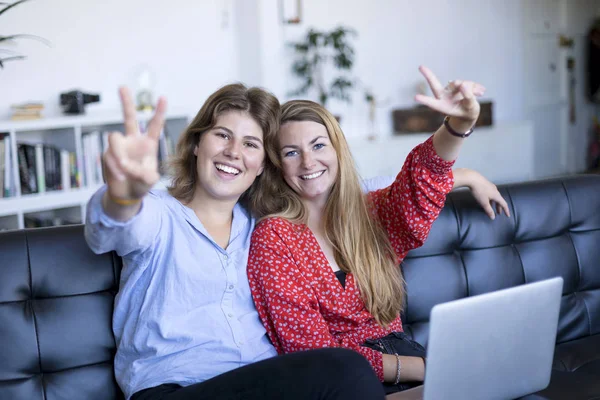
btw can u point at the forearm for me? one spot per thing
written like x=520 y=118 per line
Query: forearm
x=446 y=145
x=412 y=368
x=463 y=177
x=119 y=212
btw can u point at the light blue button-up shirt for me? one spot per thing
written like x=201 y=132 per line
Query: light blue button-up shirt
x=184 y=312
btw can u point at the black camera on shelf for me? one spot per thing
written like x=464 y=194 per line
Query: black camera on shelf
x=74 y=102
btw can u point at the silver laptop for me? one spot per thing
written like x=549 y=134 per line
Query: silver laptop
x=495 y=346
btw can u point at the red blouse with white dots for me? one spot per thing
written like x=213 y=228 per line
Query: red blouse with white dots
x=300 y=300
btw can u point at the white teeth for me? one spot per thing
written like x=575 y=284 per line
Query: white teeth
x=312 y=176
x=228 y=169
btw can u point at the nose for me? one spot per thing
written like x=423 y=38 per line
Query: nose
x=233 y=150
x=307 y=161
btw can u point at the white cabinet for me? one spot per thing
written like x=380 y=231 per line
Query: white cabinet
x=58 y=203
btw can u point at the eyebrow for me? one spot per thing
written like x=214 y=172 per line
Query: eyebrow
x=248 y=137
x=311 y=142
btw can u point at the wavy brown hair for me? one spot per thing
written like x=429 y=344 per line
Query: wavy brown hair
x=262 y=106
x=361 y=244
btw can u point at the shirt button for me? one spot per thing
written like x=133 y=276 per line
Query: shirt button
x=226 y=256
x=241 y=342
x=230 y=315
x=230 y=287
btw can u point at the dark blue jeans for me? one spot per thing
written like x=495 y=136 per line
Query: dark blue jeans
x=324 y=374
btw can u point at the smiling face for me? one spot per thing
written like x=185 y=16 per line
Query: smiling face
x=229 y=157
x=308 y=159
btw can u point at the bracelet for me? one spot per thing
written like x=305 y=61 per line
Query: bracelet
x=123 y=202
x=453 y=132
x=398 y=368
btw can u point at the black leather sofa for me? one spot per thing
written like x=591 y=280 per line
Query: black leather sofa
x=56 y=296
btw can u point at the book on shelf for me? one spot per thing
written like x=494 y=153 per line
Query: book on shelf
x=92 y=156
x=165 y=150
x=45 y=168
x=26 y=111
x=8 y=187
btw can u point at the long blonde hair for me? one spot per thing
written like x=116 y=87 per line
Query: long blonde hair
x=262 y=106
x=361 y=245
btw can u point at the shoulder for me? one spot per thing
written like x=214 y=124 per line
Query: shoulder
x=276 y=234
x=167 y=203
x=161 y=195
x=274 y=226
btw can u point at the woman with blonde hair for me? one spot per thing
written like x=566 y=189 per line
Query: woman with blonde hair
x=184 y=322
x=323 y=265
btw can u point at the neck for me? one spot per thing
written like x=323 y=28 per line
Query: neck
x=212 y=212
x=316 y=213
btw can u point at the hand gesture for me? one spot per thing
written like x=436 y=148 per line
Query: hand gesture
x=458 y=99
x=131 y=161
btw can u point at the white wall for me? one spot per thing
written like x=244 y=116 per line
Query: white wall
x=196 y=46
x=98 y=45
x=492 y=152
x=474 y=39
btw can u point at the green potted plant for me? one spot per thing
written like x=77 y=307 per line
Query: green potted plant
x=315 y=53
x=9 y=55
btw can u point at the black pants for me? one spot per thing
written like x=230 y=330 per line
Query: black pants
x=324 y=374
x=397 y=343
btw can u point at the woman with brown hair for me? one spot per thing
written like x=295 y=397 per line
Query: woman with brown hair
x=323 y=265
x=184 y=321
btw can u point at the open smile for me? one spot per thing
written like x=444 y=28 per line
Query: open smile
x=227 y=169
x=314 y=175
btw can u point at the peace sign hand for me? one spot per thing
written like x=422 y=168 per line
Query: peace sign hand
x=131 y=160
x=458 y=99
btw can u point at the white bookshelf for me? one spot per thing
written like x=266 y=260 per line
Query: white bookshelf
x=64 y=132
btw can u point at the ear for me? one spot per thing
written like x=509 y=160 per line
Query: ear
x=196 y=150
x=260 y=171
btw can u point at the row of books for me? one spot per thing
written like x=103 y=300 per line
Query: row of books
x=45 y=168
x=95 y=143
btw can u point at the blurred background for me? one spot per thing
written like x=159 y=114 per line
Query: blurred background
x=537 y=59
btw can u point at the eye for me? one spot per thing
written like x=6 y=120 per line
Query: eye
x=318 y=146
x=222 y=135
x=251 y=144
x=290 y=153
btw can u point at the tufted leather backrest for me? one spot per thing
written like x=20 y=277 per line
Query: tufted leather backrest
x=554 y=230
x=56 y=296
x=56 y=301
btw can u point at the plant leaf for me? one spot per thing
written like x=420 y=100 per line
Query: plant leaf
x=340 y=89
x=25 y=36
x=16 y=3
x=13 y=58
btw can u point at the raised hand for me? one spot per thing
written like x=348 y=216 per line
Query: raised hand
x=131 y=161
x=457 y=99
